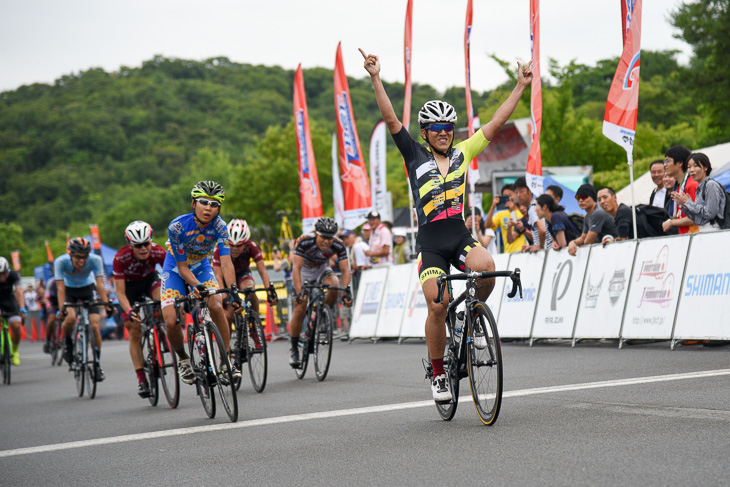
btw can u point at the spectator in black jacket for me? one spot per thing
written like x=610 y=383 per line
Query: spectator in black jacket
x=620 y=212
x=660 y=194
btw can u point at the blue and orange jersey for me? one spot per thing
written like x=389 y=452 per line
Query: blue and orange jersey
x=192 y=244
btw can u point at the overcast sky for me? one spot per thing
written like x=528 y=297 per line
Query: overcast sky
x=41 y=40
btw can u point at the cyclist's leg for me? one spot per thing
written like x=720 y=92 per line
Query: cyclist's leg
x=172 y=287
x=205 y=275
x=477 y=258
x=295 y=330
x=330 y=278
x=246 y=282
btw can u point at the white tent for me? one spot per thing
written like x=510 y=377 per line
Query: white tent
x=719 y=157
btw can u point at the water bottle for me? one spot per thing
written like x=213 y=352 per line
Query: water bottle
x=459 y=327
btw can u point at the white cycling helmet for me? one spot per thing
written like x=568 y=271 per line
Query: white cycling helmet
x=138 y=232
x=436 y=111
x=4 y=266
x=238 y=232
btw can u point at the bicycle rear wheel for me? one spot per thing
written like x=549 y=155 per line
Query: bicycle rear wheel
x=6 y=356
x=148 y=358
x=447 y=409
x=92 y=365
x=199 y=363
x=167 y=367
x=79 y=362
x=58 y=340
x=303 y=353
x=222 y=367
x=485 y=365
x=256 y=354
x=53 y=345
x=323 y=343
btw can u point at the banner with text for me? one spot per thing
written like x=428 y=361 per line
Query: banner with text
x=368 y=303
x=395 y=298
x=339 y=200
x=515 y=316
x=378 y=172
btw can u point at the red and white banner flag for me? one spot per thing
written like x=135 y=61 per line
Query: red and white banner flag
x=49 y=254
x=534 y=158
x=379 y=188
x=309 y=193
x=473 y=174
x=339 y=200
x=627 y=7
x=95 y=239
x=353 y=172
x=15 y=258
x=407 y=64
x=619 y=121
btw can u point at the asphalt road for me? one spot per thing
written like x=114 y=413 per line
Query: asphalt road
x=589 y=415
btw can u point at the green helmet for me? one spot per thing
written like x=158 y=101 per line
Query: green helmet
x=208 y=189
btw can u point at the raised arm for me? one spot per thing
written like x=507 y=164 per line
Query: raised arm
x=372 y=66
x=524 y=78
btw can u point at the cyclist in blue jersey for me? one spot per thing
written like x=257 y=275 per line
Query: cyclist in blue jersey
x=192 y=238
x=75 y=282
x=437 y=176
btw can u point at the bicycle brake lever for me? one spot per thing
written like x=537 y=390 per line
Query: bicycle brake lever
x=516 y=284
x=440 y=296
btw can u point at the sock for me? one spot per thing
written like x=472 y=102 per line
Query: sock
x=140 y=376
x=181 y=354
x=438 y=366
x=294 y=343
x=97 y=352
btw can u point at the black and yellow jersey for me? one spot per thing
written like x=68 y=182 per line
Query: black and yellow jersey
x=437 y=197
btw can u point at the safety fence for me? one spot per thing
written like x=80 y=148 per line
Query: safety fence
x=666 y=288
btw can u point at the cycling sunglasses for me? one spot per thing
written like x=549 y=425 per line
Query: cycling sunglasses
x=142 y=245
x=438 y=127
x=211 y=203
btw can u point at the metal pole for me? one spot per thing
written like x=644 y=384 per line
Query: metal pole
x=630 y=160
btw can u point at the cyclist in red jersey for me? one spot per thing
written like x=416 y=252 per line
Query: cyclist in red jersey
x=242 y=251
x=135 y=277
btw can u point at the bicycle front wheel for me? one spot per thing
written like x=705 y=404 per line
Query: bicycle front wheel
x=238 y=347
x=167 y=367
x=6 y=356
x=58 y=341
x=53 y=346
x=256 y=354
x=199 y=363
x=79 y=362
x=222 y=368
x=92 y=365
x=484 y=364
x=323 y=343
x=447 y=409
x=148 y=358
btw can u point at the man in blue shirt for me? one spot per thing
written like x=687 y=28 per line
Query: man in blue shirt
x=74 y=283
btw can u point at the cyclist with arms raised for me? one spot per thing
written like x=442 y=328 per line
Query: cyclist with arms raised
x=311 y=263
x=192 y=238
x=74 y=283
x=242 y=251
x=134 y=278
x=12 y=303
x=437 y=177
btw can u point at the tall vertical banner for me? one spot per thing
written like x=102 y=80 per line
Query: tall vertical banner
x=622 y=107
x=408 y=37
x=339 y=200
x=309 y=193
x=49 y=254
x=15 y=258
x=627 y=6
x=534 y=158
x=353 y=172
x=473 y=173
x=378 y=172
x=95 y=239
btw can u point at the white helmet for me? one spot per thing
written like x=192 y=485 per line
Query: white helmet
x=4 y=266
x=238 y=232
x=138 y=232
x=436 y=111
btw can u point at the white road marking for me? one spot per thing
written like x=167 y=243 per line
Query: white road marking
x=347 y=412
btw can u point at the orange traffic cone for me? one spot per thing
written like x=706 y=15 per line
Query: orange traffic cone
x=23 y=332
x=33 y=331
x=126 y=333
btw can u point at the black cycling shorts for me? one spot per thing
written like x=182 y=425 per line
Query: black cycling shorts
x=137 y=290
x=9 y=306
x=86 y=293
x=443 y=243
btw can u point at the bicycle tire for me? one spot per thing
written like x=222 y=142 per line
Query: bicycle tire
x=148 y=360
x=6 y=356
x=222 y=367
x=256 y=354
x=323 y=343
x=447 y=409
x=485 y=366
x=78 y=364
x=238 y=349
x=167 y=367
x=304 y=340
x=91 y=363
x=52 y=344
x=59 y=342
x=198 y=362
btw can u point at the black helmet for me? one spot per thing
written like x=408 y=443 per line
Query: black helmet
x=79 y=245
x=208 y=189
x=326 y=227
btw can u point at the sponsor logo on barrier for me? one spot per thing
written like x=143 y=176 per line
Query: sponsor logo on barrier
x=708 y=284
x=592 y=292
x=395 y=300
x=655 y=268
x=371 y=302
x=662 y=296
x=568 y=264
x=616 y=285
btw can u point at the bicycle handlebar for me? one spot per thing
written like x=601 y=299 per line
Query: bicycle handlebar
x=514 y=276
x=138 y=305
x=87 y=304
x=206 y=293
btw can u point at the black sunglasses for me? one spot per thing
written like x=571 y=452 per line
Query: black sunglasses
x=142 y=245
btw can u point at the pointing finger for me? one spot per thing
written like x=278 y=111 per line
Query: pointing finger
x=363 y=53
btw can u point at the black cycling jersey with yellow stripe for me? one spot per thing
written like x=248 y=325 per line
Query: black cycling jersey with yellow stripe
x=437 y=197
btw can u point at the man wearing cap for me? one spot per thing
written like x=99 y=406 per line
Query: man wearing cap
x=597 y=226
x=381 y=241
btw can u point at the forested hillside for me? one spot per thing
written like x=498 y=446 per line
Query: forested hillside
x=108 y=148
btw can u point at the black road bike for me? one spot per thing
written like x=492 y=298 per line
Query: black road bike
x=55 y=344
x=160 y=361
x=84 y=363
x=6 y=357
x=317 y=326
x=473 y=348
x=249 y=344
x=208 y=356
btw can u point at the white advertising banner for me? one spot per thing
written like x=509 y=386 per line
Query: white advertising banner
x=557 y=305
x=414 y=318
x=605 y=287
x=501 y=263
x=368 y=303
x=394 y=300
x=655 y=286
x=704 y=301
x=515 y=316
